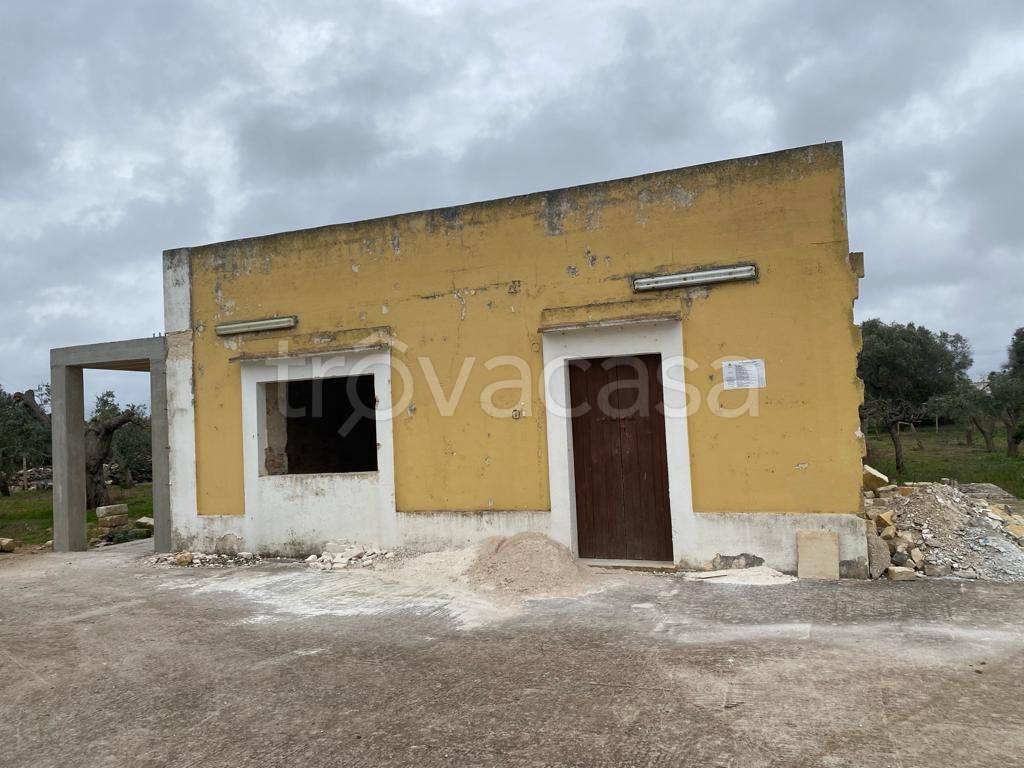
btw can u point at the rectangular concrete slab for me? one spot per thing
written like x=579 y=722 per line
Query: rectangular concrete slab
x=817 y=555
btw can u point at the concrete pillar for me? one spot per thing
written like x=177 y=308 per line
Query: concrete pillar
x=161 y=451
x=67 y=406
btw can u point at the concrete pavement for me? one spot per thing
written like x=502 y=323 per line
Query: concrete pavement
x=107 y=661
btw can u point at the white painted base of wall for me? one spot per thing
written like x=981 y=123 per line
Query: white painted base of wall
x=768 y=535
x=298 y=534
x=449 y=530
x=771 y=536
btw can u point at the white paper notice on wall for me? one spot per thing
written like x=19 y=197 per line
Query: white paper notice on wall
x=743 y=374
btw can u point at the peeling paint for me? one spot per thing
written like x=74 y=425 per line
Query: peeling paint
x=683 y=196
x=594 y=207
x=554 y=209
x=462 y=304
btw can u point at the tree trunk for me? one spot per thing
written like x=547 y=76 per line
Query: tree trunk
x=986 y=434
x=969 y=436
x=5 y=489
x=1012 y=440
x=98 y=437
x=897 y=445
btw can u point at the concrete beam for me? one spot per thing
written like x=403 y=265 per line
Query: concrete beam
x=117 y=354
x=67 y=405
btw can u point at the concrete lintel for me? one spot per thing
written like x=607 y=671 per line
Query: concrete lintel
x=130 y=354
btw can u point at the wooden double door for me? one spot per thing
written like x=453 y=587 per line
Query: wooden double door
x=619 y=457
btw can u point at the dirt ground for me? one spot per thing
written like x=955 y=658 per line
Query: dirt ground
x=108 y=661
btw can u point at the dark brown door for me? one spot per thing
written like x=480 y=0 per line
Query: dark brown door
x=620 y=464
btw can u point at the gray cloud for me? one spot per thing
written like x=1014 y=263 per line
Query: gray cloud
x=156 y=125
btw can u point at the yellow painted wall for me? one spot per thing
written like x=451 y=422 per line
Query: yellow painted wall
x=479 y=280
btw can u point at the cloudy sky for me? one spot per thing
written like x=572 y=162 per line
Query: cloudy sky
x=132 y=127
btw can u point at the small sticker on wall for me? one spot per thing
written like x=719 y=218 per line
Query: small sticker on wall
x=743 y=374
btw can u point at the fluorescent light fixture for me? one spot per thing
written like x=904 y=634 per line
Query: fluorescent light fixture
x=253 y=326
x=698 y=277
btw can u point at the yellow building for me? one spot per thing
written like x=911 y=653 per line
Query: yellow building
x=660 y=368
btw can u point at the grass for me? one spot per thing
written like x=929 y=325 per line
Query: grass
x=946 y=454
x=28 y=517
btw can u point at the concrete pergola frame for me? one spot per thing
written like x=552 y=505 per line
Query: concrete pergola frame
x=67 y=404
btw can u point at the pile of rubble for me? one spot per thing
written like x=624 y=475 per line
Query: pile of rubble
x=113 y=518
x=340 y=555
x=935 y=529
x=202 y=560
x=33 y=478
x=116 y=525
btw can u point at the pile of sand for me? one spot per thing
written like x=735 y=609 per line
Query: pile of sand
x=528 y=564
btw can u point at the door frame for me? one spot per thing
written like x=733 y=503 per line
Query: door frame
x=617 y=339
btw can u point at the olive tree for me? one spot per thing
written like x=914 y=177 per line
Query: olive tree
x=903 y=368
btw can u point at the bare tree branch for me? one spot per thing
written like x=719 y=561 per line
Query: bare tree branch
x=28 y=399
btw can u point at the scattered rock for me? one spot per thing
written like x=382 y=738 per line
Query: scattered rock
x=878 y=553
x=6 y=545
x=887 y=491
x=728 y=562
x=339 y=555
x=145 y=522
x=111 y=510
x=934 y=570
x=1016 y=530
x=899 y=573
x=884 y=519
x=873 y=479
x=204 y=560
